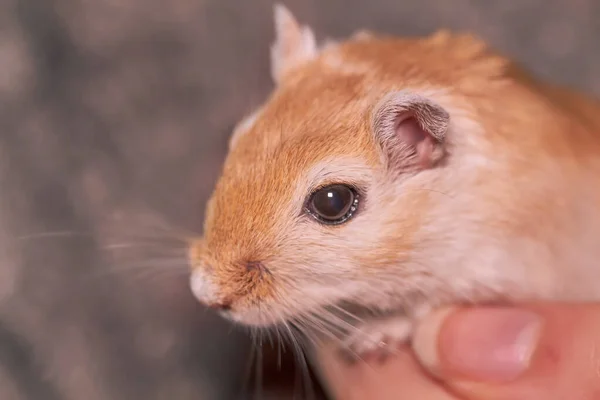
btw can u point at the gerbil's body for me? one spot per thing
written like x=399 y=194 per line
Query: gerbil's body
x=490 y=191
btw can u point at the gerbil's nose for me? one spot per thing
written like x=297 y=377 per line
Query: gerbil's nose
x=204 y=290
x=223 y=305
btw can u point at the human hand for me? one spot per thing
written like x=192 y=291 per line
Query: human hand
x=537 y=351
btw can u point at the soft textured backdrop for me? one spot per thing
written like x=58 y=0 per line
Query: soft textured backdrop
x=114 y=117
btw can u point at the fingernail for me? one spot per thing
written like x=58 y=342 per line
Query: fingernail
x=479 y=344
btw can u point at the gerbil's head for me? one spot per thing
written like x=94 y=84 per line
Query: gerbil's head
x=334 y=189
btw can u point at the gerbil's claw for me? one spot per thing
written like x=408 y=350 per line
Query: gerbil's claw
x=377 y=340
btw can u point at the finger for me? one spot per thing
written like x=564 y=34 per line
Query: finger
x=537 y=352
x=398 y=377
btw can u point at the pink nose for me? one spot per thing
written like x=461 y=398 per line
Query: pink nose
x=219 y=305
x=204 y=290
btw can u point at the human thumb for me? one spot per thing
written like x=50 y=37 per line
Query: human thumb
x=499 y=353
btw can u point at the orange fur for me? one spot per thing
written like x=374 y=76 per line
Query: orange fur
x=512 y=213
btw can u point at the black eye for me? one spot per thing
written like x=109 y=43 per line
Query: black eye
x=333 y=204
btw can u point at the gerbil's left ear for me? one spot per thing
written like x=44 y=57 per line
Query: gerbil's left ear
x=411 y=129
x=294 y=44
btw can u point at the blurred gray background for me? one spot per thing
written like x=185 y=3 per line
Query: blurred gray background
x=114 y=119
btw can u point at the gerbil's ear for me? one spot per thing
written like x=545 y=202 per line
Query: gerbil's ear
x=294 y=44
x=411 y=129
x=242 y=127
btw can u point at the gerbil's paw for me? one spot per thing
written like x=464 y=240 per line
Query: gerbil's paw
x=378 y=339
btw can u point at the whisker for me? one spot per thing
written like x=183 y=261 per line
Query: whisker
x=345 y=312
x=308 y=388
x=279 y=344
x=311 y=323
x=298 y=355
x=119 y=246
x=332 y=325
x=53 y=234
x=140 y=270
x=259 y=370
x=249 y=365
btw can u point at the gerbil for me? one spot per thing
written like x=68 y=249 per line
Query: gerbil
x=393 y=175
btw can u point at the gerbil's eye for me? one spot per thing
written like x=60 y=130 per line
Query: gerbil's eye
x=333 y=204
